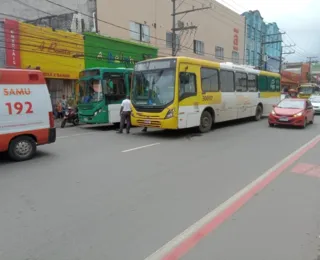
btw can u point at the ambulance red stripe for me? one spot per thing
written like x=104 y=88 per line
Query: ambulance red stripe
x=18 y=76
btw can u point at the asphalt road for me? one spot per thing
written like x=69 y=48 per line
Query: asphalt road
x=98 y=195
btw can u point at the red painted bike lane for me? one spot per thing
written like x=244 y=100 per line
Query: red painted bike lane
x=275 y=217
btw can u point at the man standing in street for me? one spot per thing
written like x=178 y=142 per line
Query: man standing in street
x=125 y=113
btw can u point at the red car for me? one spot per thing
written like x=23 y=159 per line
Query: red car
x=292 y=111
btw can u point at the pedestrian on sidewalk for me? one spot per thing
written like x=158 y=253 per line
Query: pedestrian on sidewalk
x=125 y=114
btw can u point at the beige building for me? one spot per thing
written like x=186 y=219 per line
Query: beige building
x=220 y=32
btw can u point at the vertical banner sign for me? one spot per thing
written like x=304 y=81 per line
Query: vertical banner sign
x=235 y=39
x=12 y=40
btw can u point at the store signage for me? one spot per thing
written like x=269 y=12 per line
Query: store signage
x=111 y=58
x=53 y=47
x=12 y=43
x=56 y=75
x=235 y=39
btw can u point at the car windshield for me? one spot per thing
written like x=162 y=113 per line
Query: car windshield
x=90 y=91
x=153 y=87
x=290 y=103
x=315 y=99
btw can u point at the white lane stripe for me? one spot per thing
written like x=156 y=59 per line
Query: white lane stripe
x=165 y=249
x=74 y=135
x=140 y=147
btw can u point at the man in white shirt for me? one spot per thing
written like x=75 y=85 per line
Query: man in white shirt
x=125 y=113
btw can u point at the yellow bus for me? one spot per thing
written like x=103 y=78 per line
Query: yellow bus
x=307 y=89
x=182 y=92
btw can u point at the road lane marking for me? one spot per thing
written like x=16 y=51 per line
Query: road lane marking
x=185 y=241
x=74 y=135
x=140 y=147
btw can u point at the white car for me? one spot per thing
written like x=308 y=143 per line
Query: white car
x=315 y=101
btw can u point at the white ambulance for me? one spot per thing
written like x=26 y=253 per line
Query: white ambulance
x=26 y=118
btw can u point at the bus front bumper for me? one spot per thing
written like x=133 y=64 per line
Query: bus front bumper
x=100 y=118
x=170 y=123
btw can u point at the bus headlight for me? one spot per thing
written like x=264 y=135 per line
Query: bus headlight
x=170 y=114
x=97 y=112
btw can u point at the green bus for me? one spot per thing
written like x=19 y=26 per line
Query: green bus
x=101 y=91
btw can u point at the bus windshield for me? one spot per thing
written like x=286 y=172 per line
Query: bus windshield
x=307 y=90
x=153 y=88
x=90 y=91
x=153 y=83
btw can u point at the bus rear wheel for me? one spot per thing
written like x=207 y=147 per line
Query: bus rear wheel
x=205 y=122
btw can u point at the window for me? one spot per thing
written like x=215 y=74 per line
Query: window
x=278 y=85
x=235 y=57
x=209 y=80
x=219 y=53
x=188 y=85
x=113 y=84
x=252 y=83
x=139 y=32
x=252 y=62
x=263 y=83
x=227 y=81
x=241 y=82
x=198 y=47
x=272 y=84
x=169 y=40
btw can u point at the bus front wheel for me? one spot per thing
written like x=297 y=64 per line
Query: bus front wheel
x=205 y=122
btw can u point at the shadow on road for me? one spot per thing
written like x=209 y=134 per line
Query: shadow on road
x=191 y=132
x=5 y=160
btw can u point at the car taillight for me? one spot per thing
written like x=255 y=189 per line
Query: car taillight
x=51 y=120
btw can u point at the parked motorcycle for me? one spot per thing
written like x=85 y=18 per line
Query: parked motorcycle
x=70 y=116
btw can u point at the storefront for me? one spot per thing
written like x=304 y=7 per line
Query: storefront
x=289 y=80
x=58 y=54
x=110 y=52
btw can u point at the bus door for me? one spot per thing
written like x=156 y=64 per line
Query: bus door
x=228 y=110
x=115 y=92
x=188 y=87
x=243 y=97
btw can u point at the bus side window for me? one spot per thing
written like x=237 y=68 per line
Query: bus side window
x=271 y=84
x=187 y=85
x=262 y=83
x=252 y=83
x=209 y=80
x=278 y=87
x=241 y=82
x=227 y=81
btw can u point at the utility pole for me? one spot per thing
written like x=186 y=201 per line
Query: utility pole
x=263 y=43
x=174 y=29
x=311 y=59
x=289 y=52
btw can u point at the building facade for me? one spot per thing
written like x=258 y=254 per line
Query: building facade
x=219 y=34
x=102 y=51
x=263 y=42
x=315 y=72
x=43 y=13
x=58 y=54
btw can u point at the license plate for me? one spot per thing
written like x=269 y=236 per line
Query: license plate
x=85 y=119
x=147 y=121
x=285 y=119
